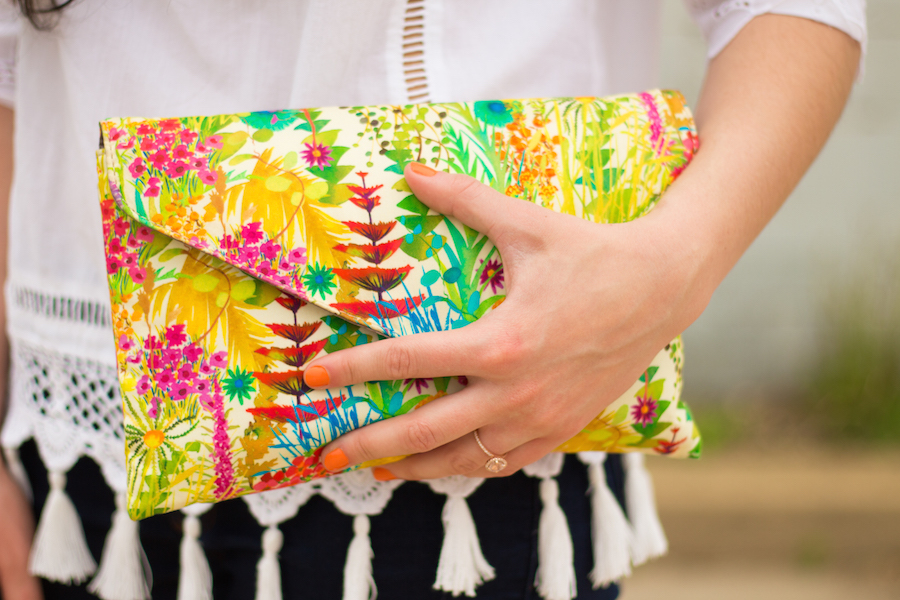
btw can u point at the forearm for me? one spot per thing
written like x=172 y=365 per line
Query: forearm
x=769 y=103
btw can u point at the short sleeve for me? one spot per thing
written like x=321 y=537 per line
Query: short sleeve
x=9 y=35
x=721 y=20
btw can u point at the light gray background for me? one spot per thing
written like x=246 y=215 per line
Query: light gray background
x=759 y=334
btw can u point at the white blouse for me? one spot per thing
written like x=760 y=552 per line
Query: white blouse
x=177 y=57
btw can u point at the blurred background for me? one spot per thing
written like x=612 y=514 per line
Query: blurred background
x=793 y=373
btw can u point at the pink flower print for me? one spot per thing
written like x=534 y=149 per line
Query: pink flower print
x=229 y=243
x=114 y=246
x=113 y=265
x=176 y=169
x=169 y=124
x=270 y=249
x=149 y=144
x=143 y=385
x=206 y=402
x=125 y=343
x=249 y=254
x=171 y=356
x=264 y=270
x=202 y=148
x=317 y=155
x=297 y=256
x=152 y=343
x=186 y=372
x=152 y=189
x=182 y=390
x=202 y=386
x=175 y=335
x=198 y=164
x=128 y=145
x=144 y=129
x=159 y=159
x=153 y=409
x=207 y=176
x=165 y=379
x=192 y=353
x=129 y=259
x=285 y=265
x=206 y=369
x=121 y=227
x=181 y=152
x=137 y=274
x=133 y=242
x=167 y=139
x=115 y=134
x=134 y=359
x=144 y=233
x=252 y=233
x=187 y=136
x=644 y=411
x=219 y=359
x=137 y=168
x=214 y=141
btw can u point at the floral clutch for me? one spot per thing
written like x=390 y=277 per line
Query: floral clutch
x=239 y=247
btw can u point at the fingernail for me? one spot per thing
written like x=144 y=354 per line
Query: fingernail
x=335 y=460
x=382 y=474
x=316 y=377
x=420 y=169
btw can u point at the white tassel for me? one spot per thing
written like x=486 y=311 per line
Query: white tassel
x=358 y=581
x=60 y=552
x=268 y=571
x=124 y=571
x=556 y=572
x=649 y=538
x=195 y=578
x=610 y=530
x=462 y=566
x=17 y=470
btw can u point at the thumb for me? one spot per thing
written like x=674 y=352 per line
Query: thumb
x=468 y=200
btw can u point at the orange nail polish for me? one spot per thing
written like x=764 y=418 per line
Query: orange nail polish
x=421 y=169
x=316 y=376
x=382 y=474
x=335 y=460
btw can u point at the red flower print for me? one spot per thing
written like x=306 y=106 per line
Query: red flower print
x=317 y=155
x=121 y=227
x=149 y=144
x=144 y=129
x=188 y=136
x=644 y=411
x=159 y=159
x=169 y=124
x=214 y=141
x=114 y=246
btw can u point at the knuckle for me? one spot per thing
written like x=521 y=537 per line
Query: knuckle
x=398 y=361
x=463 y=464
x=421 y=437
x=505 y=353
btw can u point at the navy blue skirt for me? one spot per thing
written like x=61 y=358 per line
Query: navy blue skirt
x=406 y=538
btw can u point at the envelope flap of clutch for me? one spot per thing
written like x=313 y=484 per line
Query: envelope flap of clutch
x=313 y=201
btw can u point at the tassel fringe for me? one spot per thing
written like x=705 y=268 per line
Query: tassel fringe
x=611 y=532
x=124 y=571
x=60 y=552
x=17 y=470
x=649 y=537
x=556 y=572
x=358 y=581
x=462 y=566
x=268 y=571
x=195 y=578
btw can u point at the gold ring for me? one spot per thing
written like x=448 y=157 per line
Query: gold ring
x=495 y=463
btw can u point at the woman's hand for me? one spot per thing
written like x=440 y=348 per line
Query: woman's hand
x=590 y=305
x=588 y=308
x=17 y=526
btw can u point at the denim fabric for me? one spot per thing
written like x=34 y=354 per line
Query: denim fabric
x=406 y=538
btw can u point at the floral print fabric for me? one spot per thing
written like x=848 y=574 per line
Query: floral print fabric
x=239 y=247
